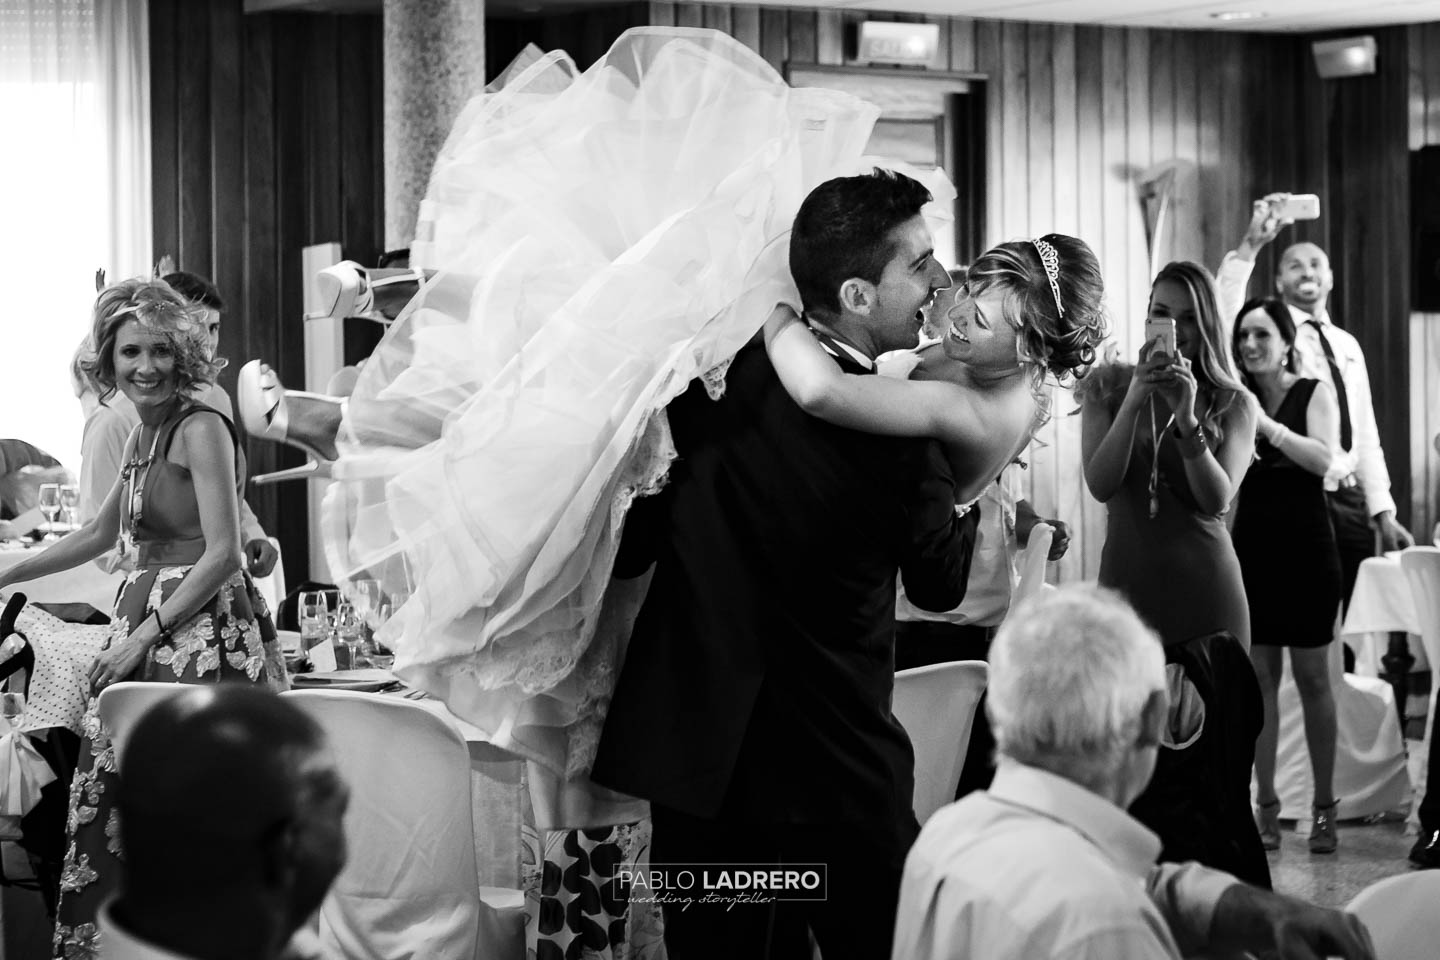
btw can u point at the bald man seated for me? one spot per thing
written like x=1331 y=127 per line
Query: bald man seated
x=231 y=807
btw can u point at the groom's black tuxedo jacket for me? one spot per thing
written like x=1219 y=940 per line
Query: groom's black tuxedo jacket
x=758 y=679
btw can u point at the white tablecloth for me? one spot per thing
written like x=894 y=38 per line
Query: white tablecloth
x=1381 y=604
x=86 y=583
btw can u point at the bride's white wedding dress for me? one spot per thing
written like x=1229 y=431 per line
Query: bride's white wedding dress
x=601 y=239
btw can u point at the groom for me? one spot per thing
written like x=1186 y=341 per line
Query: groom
x=753 y=710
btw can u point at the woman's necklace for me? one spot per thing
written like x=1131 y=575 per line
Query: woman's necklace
x=1156 y=436
x=134 y=474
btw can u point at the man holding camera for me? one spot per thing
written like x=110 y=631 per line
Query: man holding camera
x=1358 y=483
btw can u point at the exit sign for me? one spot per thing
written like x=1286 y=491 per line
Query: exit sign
x=908 y=44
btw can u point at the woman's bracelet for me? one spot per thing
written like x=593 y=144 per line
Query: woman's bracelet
x=1192 y=444
x=164 y=633
x=1281 y=435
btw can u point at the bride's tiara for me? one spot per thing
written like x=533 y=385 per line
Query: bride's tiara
x=1051 y=261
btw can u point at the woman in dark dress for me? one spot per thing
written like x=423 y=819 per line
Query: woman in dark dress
x=188 y=613
x=1166 y=443
x=1287 y=555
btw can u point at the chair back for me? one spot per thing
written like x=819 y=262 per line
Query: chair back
x=122 y=704
x=1422 y=570
x=1032 y=564
x=409 y=888
x=1400 y=913
x=936 y=706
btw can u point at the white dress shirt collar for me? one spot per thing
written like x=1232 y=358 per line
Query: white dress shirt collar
x=1128 y=843
x=833 y=338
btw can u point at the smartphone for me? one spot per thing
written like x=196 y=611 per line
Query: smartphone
x=1163 y=329
x=1300 y=206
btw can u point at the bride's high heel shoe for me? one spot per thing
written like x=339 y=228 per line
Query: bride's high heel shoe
x=261 y=400
x=348 y=290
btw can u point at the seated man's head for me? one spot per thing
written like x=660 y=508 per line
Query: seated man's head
x=203 y=294
x=231 y=810
x=864 y=260
x=149 y=342
x=1077 y=687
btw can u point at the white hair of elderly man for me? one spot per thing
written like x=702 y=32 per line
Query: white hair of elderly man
x=1077 y=687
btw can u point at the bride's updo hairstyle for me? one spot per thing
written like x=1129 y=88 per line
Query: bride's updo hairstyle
x=1055 y=305
x=159 y=310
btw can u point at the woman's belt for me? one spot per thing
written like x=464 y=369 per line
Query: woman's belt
x=170 y=553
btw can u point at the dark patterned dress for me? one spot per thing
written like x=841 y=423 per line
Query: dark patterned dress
x=230 y=639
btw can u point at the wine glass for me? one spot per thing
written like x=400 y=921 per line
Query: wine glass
x=348 y=629
x=70 y=502
x=366 y=596
x=50 y=506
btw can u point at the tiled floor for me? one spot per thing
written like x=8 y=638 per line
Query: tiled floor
x=1368 y=852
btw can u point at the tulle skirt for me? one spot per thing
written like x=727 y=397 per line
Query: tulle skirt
x=601 y=239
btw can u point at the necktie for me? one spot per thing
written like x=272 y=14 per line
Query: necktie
x=1339 y=383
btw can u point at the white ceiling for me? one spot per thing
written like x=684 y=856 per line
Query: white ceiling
x=1302 y=16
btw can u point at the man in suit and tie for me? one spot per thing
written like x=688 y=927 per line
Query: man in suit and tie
x=753 y=711
x=1358 y=482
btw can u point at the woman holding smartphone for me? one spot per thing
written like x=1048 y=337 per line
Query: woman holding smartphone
x=1166 y=443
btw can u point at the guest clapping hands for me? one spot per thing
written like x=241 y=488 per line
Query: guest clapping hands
x=1288 y=555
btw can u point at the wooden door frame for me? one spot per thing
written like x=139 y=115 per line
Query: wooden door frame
x=960 y=97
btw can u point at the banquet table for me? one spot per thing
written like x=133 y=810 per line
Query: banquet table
x=1380 y=605
x=86 y=583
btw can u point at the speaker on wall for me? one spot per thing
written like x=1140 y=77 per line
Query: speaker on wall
x=1425 y=214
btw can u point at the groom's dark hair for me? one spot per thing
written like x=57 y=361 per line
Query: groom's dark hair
x=843 y=231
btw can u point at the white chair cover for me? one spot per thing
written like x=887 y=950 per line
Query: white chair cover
x=1370 y=772
x=936 y=706
x=122 y=704
x=1400 y=912
x=1422 y=569
x=409 y=888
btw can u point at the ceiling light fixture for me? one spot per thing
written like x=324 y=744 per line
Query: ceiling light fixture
x=1231 y=16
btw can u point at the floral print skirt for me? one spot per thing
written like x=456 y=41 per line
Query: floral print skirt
x=230 y=640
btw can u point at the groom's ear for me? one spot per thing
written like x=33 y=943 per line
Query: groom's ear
x=857 y=296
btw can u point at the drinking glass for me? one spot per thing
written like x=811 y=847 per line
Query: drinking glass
x=314 y=616
x=12 y=707
x=50 y=506
x=70 y=501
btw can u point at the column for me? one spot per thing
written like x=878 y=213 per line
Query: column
x=434 y=64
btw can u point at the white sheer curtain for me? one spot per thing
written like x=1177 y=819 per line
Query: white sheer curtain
x=74 y=194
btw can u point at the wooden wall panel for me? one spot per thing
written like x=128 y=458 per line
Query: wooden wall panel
x=265 y=138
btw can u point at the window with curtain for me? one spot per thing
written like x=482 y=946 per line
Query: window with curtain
x=74 y=195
